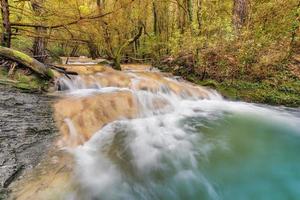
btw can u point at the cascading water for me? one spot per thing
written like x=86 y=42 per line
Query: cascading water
x=184 y=142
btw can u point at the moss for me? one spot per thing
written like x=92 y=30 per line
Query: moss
x=23 y=86
x=282 y=94
x=50 y=73
x=20 y=80
x=209 y=83
x=23 y=56
x=3 y=72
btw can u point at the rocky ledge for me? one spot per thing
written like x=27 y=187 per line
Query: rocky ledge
x=27 y=131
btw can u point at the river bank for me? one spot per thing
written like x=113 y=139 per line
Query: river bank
x=281 y=87
x=27 y=132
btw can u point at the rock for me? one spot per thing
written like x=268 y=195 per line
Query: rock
x=27 y=130
x=79 y=118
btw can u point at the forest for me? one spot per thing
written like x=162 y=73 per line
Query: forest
x=241 y=47
x=150 y=99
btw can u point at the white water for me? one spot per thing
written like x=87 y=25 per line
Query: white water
x=156 y=156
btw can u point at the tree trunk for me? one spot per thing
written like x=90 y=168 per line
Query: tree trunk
x=117 y=62
x=240 y=14
x=39 y=45
x=117 y=56
x=101 y=4
x=74 y=50
x=26 y=61
x=199 y=15
x=155 y=24
x=40 y=42
x=93 y=49
x=6 y=32
x=189 y=5
x=181 y=16
x=295 y=29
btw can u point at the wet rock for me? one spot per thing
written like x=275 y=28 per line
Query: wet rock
x=26 y=132
x=79 y=118
x=50 y=179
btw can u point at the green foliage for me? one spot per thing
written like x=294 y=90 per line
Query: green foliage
x=23 y=81
x=259 y=52
x=22 y=43
x=283 y=94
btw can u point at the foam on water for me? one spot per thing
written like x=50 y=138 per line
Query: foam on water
x=158 y=155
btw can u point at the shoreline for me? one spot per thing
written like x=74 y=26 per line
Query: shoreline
x=281 y=93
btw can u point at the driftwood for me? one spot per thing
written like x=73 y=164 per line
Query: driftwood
x=45 y=70
x=62 y=70
x=26 y=61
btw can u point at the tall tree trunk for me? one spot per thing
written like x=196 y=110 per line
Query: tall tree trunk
x=40 y=42
x=100 y=4
x=155 y=19
x=189 y=5
x=185 y=14
x=93 y=49
x=199 y=15
x=295 y=29
x=117 y=55
x=74 y=50
x=105 y=28
x=181 y=16
x=39 y=45
x=240 y=14
x=6 y=32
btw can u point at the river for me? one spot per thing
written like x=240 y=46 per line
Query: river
x=148 y=135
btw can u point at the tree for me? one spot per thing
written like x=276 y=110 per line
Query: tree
x=155 y=17
x=295 y=28
x=189 y=5
x=6 y=27
x=199 y=14
x=240 y=13
x=40 y=42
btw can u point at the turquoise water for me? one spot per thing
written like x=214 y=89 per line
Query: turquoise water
x=223 y=151
x=252 y=159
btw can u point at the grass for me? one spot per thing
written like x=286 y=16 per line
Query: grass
x=287 y=94
x=278 y=88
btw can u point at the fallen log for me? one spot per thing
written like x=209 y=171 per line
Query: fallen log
x=27 y=61
x=62 y=70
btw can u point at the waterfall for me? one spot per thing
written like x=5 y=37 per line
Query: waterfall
x=147 y=135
